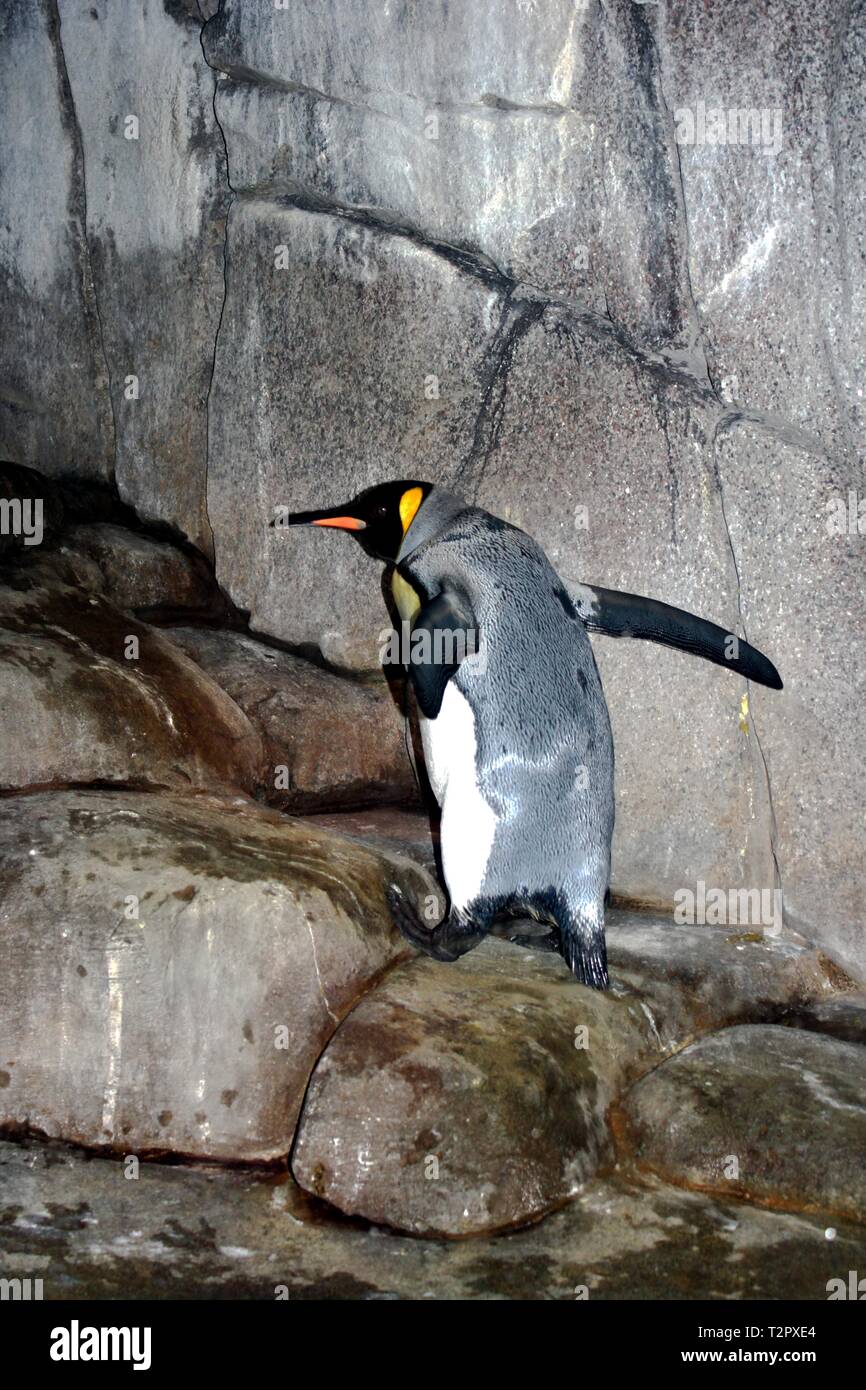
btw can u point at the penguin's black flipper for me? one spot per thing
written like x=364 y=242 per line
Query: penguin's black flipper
x=629 y=615
x=443 y=633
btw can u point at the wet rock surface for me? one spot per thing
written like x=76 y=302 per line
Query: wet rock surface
x=693 y=980
x=172 y=967
x=467 y=1097
x=774 y=1115
x=154 y=217
x=328 y=741
x=55 y=405
x=257 y=258
x=195 y=1232
x=843 y=1017
x=94 y=695
x=394 y=829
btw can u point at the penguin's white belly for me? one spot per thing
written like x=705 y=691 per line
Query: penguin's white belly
x=468 y=823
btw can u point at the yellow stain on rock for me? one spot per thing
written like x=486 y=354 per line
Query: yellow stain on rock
x=744 y=714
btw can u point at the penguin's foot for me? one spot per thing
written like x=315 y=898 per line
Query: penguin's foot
x=450 y=940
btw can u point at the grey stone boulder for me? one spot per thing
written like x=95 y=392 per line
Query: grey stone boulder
x=693 y=980
x=464 y=1098
x=90 y=694
x=328 y=741
x=772 y=1115
x=171 y=967
x=134 y=571
x=393 y=829
x=843 y=1016
x=415 y=1109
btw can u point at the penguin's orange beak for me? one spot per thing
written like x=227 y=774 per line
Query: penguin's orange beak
x=345 y=523
x=334 y=517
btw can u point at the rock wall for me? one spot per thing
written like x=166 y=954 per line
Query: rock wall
x=600 y=267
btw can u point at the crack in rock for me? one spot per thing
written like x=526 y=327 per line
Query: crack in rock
x=79 y=185
x=231 y=200
x=515 y=323
x=697 y=343
x=772 y=829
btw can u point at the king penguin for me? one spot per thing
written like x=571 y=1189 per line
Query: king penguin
x=514 y=723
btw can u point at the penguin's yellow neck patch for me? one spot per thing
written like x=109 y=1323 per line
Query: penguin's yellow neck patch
x=405 y=597
x=409 y=504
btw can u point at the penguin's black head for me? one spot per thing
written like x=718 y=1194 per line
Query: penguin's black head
x=378 y=517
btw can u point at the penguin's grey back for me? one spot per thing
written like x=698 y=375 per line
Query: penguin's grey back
x=544 y=748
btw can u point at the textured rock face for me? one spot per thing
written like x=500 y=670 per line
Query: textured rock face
x=585 y=256
x=55 y=409
x=332 y=408
x=113 y=251
x=171 y=967
x=135 y=572
x=771 y=1114
x=328 y=741
x=73 y=1222
x=843 y=1017
x=535 y=145
x=156 y=202
x=807 y=608
x=779 y=298
x=689 y=980
x=465 y=1098
x=89 y=694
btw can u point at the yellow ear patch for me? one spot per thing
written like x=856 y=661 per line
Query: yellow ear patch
x=409 y=504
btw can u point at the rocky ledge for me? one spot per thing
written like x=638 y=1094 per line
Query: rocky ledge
x=197 y=964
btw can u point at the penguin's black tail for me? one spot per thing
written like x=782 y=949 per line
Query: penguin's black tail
x=581 y=933
x=587 y=959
